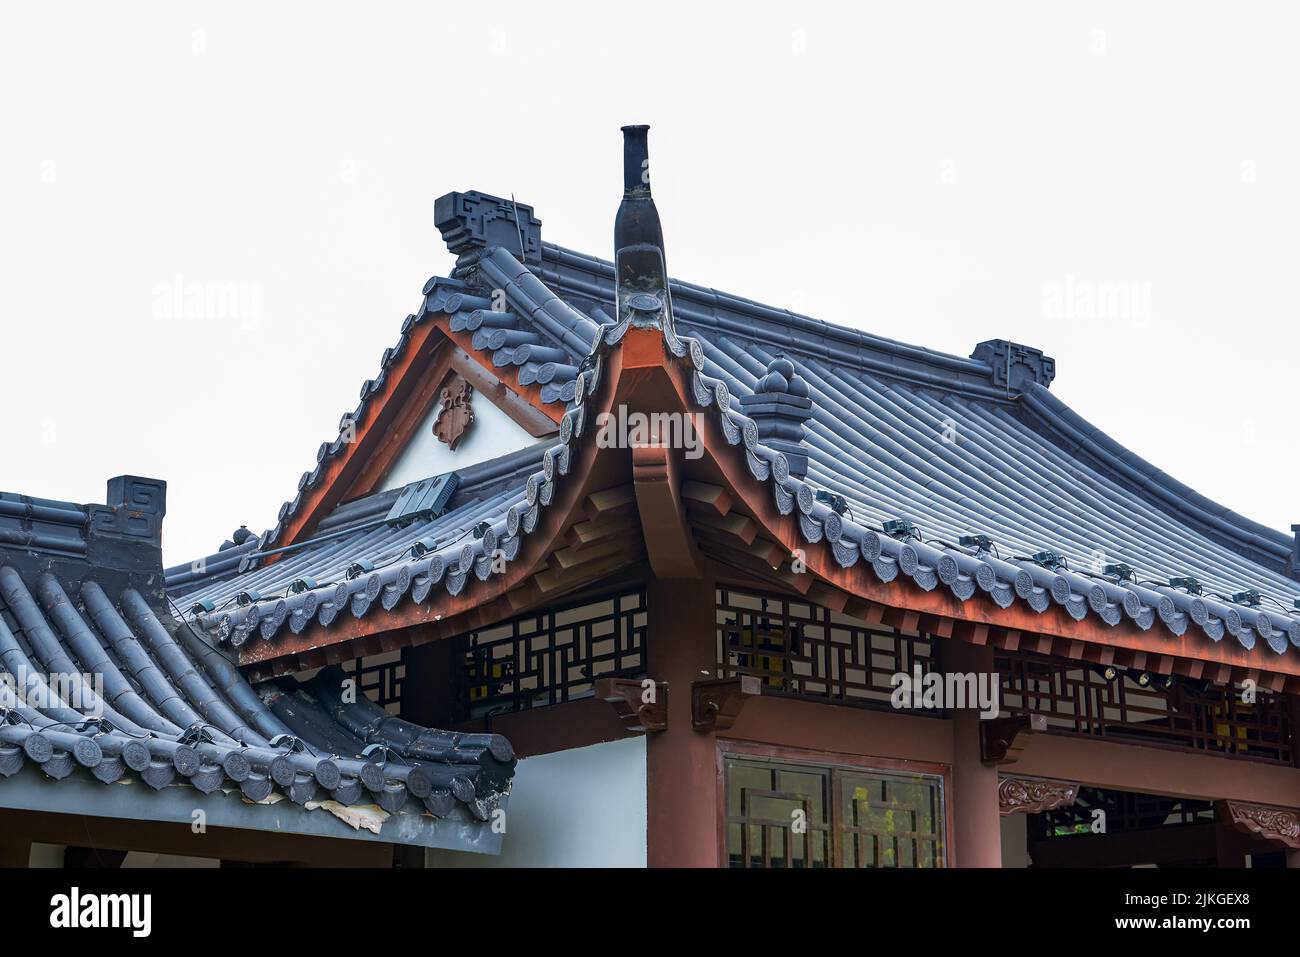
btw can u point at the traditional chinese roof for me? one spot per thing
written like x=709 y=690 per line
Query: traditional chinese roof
x=102 y=684
x=886 y=455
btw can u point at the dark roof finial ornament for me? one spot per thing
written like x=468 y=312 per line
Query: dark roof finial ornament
x=640 y=268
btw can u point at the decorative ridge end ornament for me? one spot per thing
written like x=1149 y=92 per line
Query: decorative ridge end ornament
x=472 y=221
x=456 y=416
x=1013 y=366
x=780 y=406
x=640 y=269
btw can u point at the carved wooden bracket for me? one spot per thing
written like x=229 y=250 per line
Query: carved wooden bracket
x=1031 y=795
x=628 y=698
x=716 y=702
x=1280 y=824
x=1002 y=739
x=455 y=417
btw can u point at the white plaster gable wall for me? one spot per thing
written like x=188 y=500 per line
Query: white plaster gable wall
x=579 y=808
x=492 y=435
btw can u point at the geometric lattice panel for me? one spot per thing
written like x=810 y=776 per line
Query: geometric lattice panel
x=551 y=656
x=807 y=650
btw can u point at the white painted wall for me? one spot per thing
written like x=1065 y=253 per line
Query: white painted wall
x=492 y=435
x=579 y=808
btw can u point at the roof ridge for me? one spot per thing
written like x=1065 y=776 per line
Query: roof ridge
x=1263 y=540
x=699 y=305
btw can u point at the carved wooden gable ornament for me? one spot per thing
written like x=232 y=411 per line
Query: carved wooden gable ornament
x=455 y=417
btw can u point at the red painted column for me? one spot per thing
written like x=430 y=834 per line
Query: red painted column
x=681 y=773
x=976 y=822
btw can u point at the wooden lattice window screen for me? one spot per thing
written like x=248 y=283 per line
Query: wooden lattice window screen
x=1077 y=699
x=552 y=656
x=380 y=677
x=807 y=650
x=788 y=815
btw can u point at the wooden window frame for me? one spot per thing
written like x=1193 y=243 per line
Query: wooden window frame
x=755 y=751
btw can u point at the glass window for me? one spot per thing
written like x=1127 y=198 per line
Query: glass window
x=784 y=814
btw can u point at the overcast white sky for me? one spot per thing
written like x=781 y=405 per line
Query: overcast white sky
x=1114 y=184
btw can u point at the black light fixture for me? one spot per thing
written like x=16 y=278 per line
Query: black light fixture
x=288 y=742
x=1186 y=582
x=837 y=503
x=1049 y=559
x=360 y=567
x=482 y=529
x=1106 y=672
x=423 y=545
x=300 y=585
x=1142 y=679
x=1250 y=597
x=248 y=597
x=1120 y=571
x=203 y=607
x=900 y=528
x=377 y=753
x=981 y=543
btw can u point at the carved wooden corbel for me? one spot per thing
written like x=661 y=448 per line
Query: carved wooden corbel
x=1031 y=795
x=1002 y=739
x=628 y=698
x=716 y=702
x=1278 y=824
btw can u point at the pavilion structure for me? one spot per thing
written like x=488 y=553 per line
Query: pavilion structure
x=681 y=550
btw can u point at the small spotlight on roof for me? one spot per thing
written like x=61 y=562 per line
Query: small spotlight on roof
x=837 y=503
x=1250 y=597
x=1187 y=582
x=1120 y=570
x=300 y=585
x=1142 y=679
x=360 y=567
x=1049 y=559
x=1106 y=672
x=422 y=546
x=482 y=529
x=981 y=543
x=248 y=597
x=900 y=528
x=202 y=607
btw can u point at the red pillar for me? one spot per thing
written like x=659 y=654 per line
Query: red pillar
x=681 y=772
x=976 y=821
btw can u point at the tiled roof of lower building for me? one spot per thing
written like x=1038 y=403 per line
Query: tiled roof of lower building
x=98 y=681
